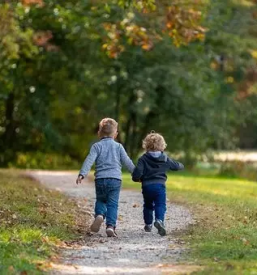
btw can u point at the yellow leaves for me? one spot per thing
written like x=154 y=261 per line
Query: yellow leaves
x=112 y=45
x=200 y=36
x=229 y=80
x=183 y=25
x=245 y=3
x=146 y=47
x=254 y=53
x=181 y=22
x=134 y=34
x=144 y=6
x=8 y=34
x=214 y=65
x=78 y=110
x=14 y=41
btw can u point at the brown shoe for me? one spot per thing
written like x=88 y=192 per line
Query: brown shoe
x=110 y=231
x=96 y=225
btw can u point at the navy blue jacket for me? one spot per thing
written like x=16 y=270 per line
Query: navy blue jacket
x=151 y=170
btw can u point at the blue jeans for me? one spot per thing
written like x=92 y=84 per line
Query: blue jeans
x=107 y=198
x=154 y=201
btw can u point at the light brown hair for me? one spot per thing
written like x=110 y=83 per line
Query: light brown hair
x=154 y=142
x=108 y=128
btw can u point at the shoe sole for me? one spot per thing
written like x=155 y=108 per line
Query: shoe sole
x=110 y=233
x=161 y=230
x=95 y=227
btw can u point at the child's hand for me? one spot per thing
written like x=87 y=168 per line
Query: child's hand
x=79 y=179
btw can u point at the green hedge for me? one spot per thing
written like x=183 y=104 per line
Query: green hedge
x=238 y=169
x=39 y=160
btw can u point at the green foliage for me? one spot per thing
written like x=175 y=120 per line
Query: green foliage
x=64 y=65
x=238 y=169
x=38 y=160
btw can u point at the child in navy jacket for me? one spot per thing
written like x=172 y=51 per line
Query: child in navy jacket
x=151 y=170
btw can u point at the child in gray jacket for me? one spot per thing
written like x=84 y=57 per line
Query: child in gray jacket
x=109 y=156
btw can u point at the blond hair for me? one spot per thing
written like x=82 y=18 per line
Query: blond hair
x=154 y=142
x=108 y=127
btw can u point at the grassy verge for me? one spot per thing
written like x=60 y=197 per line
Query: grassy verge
x=34 y=221
x=224 y=238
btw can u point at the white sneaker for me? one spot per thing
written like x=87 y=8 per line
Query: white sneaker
x=160 y=226
x=96 y=225
x=110 y=231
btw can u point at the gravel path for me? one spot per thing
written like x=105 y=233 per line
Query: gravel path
x=134 y=251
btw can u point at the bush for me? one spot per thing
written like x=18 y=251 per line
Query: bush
x=238 y=169
x=39 y=160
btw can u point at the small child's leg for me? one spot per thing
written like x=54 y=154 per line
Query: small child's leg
x=148 y=208
x=160 y=209
x=160 y=203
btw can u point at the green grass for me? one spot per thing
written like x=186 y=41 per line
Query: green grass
x=224 y=239
x=34 y=221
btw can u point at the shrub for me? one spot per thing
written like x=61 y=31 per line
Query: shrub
x=39 y=160
x=238 y=169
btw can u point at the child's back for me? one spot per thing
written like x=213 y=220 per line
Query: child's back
x=153 y=167
x=109 y=156
x=151 y=171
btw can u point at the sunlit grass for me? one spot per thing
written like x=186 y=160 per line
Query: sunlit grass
x=224 y=238
x=33 y=221
x=245 y=190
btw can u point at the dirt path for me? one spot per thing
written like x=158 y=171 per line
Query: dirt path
x=134 y=251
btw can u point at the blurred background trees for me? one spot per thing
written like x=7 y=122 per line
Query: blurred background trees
x=184 y=68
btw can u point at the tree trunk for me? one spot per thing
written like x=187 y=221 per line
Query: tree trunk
x=8 y=136
x=9 y=121
x=152 y=114
x=128 y=144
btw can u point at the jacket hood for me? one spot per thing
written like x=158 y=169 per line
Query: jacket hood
x=162 y=158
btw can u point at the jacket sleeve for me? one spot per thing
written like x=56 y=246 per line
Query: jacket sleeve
x=89 y=161
x=138 y=172
x=125 y=160
x=175 y=165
